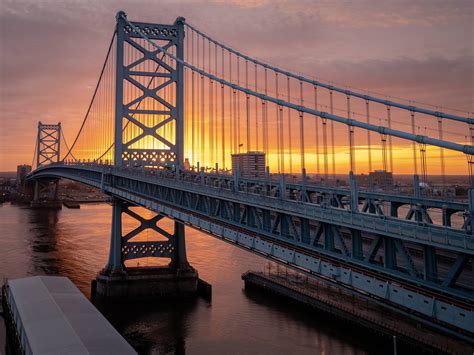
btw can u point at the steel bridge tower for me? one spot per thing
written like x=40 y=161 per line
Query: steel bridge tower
x=118 y=279
x=48 y=143
x=48 y=149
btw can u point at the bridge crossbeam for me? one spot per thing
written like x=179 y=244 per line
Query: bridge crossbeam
x=136 y=244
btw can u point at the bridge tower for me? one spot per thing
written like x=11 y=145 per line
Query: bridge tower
x=48 y=145
x=163 y=124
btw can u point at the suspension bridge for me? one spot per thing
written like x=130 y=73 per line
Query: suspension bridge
x=333 y=182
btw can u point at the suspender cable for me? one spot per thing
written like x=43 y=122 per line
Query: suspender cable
x=234 y=120
x=333 y=153
x=256 y=110
x=247 y=105
x=193 y=100
x=424 y=171
x=441 y=155
x=470 y=168
x=289 y=126
x=222 y=115
x=186 y=105
x=279 y=117
x=203 y=126
x=316 y=129
x=302 y=152
x=390 y=148
x=231 y=108
x=282 y=147
x=211 y=112
x=216 y=128
x=413 y=130
x=351 y=137
x=383 y=138
x=265 y=121
x=211 y=123
x=325 y=149
x=470 y=158
x=467 y=149
x=369 y=143
x=340 y=90
x=238 y=105
x=93 y=97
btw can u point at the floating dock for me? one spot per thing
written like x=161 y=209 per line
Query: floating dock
x=49 y=315
x=364 y=313
x=69 y=203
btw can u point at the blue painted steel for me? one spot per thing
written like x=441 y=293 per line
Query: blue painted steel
x=342 y=236
x=212 y=207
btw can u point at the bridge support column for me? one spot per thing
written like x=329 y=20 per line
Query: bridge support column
x=45 y=195
x=124 y=279
x=114 y=264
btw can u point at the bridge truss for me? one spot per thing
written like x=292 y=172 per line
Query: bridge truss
x=172 y=105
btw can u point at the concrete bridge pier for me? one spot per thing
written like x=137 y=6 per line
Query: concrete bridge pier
x=117 y=282
x=45 y=194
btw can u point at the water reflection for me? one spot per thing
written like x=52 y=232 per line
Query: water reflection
x=75 y=243
x=43 y=240
x=154 y=327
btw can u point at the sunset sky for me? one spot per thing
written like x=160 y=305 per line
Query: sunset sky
x=51 y=52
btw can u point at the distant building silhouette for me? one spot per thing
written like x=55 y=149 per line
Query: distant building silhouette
x=21 y=172
x=378 y=178
x=249 y=164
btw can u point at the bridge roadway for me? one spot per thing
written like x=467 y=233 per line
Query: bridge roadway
x=252 y=215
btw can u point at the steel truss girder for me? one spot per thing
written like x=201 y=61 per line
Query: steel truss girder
x=286 y=226
x=200 y=197
x=149 y=192
x=432 y=310
x=393 y=226
x=372 y=202
x=140 y=249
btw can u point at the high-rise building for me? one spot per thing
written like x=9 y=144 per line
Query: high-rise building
x=249 y=164
x=21 y=172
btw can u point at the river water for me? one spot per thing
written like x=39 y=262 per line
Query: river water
x=74 y=243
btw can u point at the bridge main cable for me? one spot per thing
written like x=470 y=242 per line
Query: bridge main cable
x=467 y=149
x=410 y=108
x=93 y=97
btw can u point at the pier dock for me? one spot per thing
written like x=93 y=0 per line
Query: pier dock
x=360 y=312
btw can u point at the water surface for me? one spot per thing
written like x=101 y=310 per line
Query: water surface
x=74 y=243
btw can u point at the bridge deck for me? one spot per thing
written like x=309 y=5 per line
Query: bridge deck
x=51 y=316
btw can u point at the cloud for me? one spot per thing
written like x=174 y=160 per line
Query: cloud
x=52 y=52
